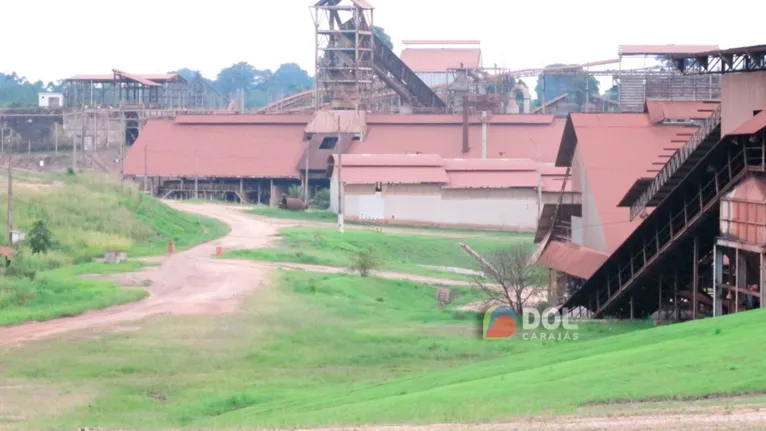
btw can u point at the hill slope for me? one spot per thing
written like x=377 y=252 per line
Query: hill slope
x=714 y=356
x=87 y=214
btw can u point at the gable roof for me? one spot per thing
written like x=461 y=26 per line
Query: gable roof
x=167 y=148
x=441 y=59
x=391 y=168
x=615 y=150
x=507 y=136
x=663 y=110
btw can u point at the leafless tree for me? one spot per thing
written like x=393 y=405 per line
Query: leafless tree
x=509 y=278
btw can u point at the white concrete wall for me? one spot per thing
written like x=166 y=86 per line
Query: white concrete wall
x=43 y=99
x=591 y=230
x=429 y=204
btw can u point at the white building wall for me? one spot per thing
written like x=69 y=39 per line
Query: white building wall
x=44 y=99
x=514 y=209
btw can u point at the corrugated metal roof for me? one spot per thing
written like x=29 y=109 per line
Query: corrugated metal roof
x=751 y=126
x=615 y=150
x=662 y=110
x=398 y=160
x=422 y=60
x=227 y=118
x=330 y=121
x=212 y=150
x=495 y=119
x=518 y=141
x=572 y=259
x=392 y=169
x=665 y=49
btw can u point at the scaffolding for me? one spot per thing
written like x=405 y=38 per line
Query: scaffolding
x=131 y=91
x=344 y=53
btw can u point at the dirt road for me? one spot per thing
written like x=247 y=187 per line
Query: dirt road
x=191 y=282
x=186 y=282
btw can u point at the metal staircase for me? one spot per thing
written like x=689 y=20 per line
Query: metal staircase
x=672 y=239
x=679 y=165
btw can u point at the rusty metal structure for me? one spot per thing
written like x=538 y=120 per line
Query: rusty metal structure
x=120 y=89
x=701 y=250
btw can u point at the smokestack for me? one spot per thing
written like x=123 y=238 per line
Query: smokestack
x=483 y=134
x=466 y=147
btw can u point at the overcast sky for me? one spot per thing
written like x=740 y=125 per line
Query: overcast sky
x=54 y=39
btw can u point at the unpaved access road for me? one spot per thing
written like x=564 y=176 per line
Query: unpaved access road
x=191 y=281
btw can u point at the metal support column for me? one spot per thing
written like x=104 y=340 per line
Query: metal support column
x=695 y=277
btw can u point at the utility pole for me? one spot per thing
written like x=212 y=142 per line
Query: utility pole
x=340 y=181
x=10 y=195
x=82 y=139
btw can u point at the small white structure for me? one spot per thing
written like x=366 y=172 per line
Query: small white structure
x=50 y=100
x=17 y=237
x=425 y=189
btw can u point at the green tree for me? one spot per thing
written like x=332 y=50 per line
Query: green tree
x=40 y=238
x=239 y=76
x=576 y=82
x=382 y=35
x=17 y=92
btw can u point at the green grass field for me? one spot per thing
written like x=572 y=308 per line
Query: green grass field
x=326 y=216
x=87 y=214
x=339 y=345
x=396 y=252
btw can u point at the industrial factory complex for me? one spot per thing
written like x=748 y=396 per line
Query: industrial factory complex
x=651 y=202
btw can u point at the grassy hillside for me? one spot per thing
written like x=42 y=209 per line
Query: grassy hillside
x=707 y=357
x=400 y=252
x=87 y=214
x=310 y=340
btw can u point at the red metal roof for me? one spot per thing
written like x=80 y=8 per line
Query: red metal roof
x=665 y=49
x=399 y=160
x=615 y=150
x=751 y=126
x=392 y=169
x=441 y=59
x=156 y=77
x=572 y=259
x=6 y=251
x=502 y=173
x=661 y=110
x=216 y=150
x=225 y=118
x=509 y=140
x=494 y=119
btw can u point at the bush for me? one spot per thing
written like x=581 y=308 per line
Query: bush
x=321 y=199
x=295 y=191
x=364 y=261
x=22 y=265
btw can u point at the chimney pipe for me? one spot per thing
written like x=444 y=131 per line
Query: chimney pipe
x=483 y=134
x=466 y=147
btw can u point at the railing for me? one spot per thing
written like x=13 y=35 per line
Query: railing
x=629 y=270
x=675 y=162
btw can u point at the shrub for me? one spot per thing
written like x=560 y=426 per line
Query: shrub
x=294 y=191
x=364 y=261
x=40 y=237
x=321 y=199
